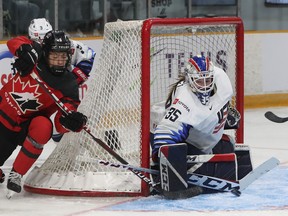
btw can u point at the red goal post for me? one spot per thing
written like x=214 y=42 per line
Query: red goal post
x=139 y=61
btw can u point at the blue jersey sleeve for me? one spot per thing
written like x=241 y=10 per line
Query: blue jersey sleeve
x=164 y=135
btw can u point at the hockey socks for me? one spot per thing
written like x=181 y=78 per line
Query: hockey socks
x=26 y=157
x=39 y=133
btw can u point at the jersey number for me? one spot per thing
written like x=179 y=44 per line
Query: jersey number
x=173 y=114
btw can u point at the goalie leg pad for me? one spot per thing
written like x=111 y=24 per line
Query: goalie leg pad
x=243 y=159
x=173 y=167
x=173 y=172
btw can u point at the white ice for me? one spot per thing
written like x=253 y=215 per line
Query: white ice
x=266 y=196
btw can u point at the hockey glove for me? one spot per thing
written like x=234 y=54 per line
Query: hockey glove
x=28 y=56
x=74 y=121
x=80 y=76
x=233 y=119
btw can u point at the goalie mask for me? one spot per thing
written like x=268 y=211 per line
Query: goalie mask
x=200 y=75
x=57 y=51
x=38 y=28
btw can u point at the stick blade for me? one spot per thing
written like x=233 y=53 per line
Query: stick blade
x=258 y=172
x=272 y=117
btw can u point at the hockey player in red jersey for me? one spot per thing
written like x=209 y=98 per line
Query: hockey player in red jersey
x=82 y=57
x=26 y=108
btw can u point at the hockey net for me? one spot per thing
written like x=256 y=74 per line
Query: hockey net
x=138 y=63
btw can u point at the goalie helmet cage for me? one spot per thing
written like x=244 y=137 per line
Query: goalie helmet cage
x=139 y=61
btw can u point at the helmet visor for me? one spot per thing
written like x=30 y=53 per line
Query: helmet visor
x=202 y=81
x=58 y=59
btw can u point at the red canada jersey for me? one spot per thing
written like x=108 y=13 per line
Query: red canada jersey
x=22 y=98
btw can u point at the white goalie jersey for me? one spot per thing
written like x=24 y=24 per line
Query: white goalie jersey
x=187 y=120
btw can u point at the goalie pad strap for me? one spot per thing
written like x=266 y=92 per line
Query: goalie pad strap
x=211 y=158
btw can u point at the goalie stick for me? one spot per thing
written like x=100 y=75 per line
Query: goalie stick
x=194 y=179
x=230 y=186
x=274 y=118
x=258 y=172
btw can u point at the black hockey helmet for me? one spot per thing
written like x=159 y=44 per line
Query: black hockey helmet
x=57 y=41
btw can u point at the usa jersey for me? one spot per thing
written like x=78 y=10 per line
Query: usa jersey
x=186 y=119
x=82 y=57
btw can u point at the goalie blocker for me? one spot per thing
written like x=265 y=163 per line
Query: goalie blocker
x=174 y=170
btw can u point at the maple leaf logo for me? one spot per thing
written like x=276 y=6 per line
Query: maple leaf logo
x=25 y=95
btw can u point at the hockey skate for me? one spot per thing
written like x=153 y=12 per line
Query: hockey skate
x=2 y=176
x=13 y=183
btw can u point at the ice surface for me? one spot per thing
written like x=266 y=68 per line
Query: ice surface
x=266 y=196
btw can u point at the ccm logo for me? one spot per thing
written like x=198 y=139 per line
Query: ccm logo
x=164 y=177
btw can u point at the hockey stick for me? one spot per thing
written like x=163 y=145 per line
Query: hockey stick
x=194 y=179
x=206 y=181
x=195 y=159
x=86 y=129
x=258 y=172
x=274 y=118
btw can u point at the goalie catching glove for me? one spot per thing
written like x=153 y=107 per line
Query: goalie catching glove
x=233 y=118
x=74 y=121
x=28 y=56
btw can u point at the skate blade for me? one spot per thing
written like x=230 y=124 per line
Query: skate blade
x=9 y=194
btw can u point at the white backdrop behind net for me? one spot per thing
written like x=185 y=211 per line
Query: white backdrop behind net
x=113 y=102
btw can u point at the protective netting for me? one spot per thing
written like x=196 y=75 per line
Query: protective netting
x=113 y=103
